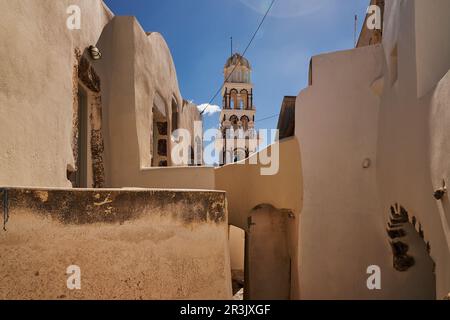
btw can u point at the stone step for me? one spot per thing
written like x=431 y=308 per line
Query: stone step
x=396 y=233
x=397 y=219
x=394 y=225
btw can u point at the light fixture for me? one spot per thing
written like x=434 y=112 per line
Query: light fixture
x=95 y=53
x=367 y=163
x=439 y=193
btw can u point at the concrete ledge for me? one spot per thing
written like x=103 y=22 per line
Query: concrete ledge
x=128 y=243
x=84 y=206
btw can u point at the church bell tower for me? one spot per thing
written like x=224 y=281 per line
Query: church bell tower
x=238 y=112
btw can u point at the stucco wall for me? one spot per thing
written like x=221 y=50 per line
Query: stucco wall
x=342 y=223
x=340 y=216
x=37 y=91
x=246 y=188
x=138 y=67
x=36 y=87
x=412 y=140
x=129 y=244
x=177 y=177
x=432 y=25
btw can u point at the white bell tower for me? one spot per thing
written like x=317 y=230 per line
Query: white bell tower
x=238 y=112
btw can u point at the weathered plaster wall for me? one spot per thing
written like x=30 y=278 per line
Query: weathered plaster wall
x=371 y=110
x=129 y=244
x=440 y=171
x=341 y=230
x=178 y=177
x=246 y=188
x=343 y=227
x=432 y=25
x=139 y=67
x=154 y=72
x=258 y=188
x=37 y=91
x=36 y=87
x=412 y=143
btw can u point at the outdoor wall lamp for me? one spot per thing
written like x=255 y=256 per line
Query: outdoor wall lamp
x=439 y=193
x=95 y=53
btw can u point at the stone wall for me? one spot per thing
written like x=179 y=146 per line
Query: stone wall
x=129 y=244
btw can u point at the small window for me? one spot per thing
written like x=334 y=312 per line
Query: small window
x=174 y=115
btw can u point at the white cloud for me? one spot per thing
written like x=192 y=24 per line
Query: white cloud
x=209 y=109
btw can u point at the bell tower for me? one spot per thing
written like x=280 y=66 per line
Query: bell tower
x=238 y=112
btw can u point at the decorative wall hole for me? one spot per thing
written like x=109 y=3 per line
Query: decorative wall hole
x=159 y=134
x=366 y=163
x=399 y=227
x=162 y=147
x=163 y=163
x=162 y=128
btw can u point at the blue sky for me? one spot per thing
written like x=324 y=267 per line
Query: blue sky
x=198 y=33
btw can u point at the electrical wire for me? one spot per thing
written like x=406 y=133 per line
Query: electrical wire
x=267 y=118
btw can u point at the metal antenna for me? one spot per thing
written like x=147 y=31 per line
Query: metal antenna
x=356 y=26
x=231 y=38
